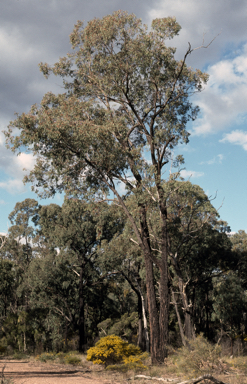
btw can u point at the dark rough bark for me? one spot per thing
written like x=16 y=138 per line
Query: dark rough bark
x=164 y=309
x=140 y=341
x=158 y=322
x=141 y=336
x=81 y=324
x=156 y=355
x=164 y=288
x=189 y=330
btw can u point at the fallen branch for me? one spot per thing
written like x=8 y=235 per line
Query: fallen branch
x=204 y=377
x=191 y=381
x=154 y=378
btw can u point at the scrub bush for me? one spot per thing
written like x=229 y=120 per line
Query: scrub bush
x=113 y=352
x=200 y=357
x=72 y=359
x=46 y=357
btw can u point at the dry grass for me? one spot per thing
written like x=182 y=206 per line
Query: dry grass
x=235 y=372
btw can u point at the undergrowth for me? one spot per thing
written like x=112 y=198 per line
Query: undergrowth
x=62 y=358
x=198 y=358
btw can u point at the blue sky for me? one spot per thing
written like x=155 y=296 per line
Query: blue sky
x=215 y=158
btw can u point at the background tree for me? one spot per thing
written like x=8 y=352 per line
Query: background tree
x=230 y=305
x=77 y=229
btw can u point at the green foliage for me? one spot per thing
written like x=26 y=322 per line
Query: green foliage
x=112 y=350
x=63 y=358
x=46 y=357
x=230 y=302
x=20 y=356
x=124 y=81
x=2 y=349
x=199 y=357
x=123 y=327
x=72 y=359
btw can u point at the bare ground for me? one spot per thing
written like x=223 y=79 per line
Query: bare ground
x=33 y=372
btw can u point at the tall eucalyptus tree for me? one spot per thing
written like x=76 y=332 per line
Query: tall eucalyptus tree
x=125 y=107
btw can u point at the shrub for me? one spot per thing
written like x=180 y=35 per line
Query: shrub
x=72 y=359
x=198 y=358
x=114 y=352
x=61 y=357
x=46 y=356
x=20 y=356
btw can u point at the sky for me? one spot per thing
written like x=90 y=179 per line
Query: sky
x=32 y=31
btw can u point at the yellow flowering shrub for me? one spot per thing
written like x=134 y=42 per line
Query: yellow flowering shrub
x=112 y=350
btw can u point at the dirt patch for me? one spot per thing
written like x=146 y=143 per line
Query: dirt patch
x=35 y=372
x=29 y=372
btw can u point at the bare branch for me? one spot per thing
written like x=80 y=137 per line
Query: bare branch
x=134 y=241
x=3 y=239
x=204 y=46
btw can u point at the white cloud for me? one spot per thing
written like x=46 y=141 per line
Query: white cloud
x=216 y=160
x=223 y=102
x=208 y=18
x=236 y=137
x=13 y=186
x=190 y=174
x=12 y=168
x=25 y=161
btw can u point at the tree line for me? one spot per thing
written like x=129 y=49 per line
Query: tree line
x=125 y=107
x=70 y=274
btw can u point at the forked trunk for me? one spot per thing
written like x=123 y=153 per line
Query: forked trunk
x=189 y=330
x=158 y=320
x=179 y=319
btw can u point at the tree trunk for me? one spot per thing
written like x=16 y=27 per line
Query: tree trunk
x=158 y=324
x=164 y=308
x=140 y=326
x=82 y=343
x=145 y=323
x=179 y=319
x=66 y=335
x=156 y=352
x=189 y=330
x=164 y=287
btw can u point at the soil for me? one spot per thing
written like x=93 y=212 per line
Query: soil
x=33 y=372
